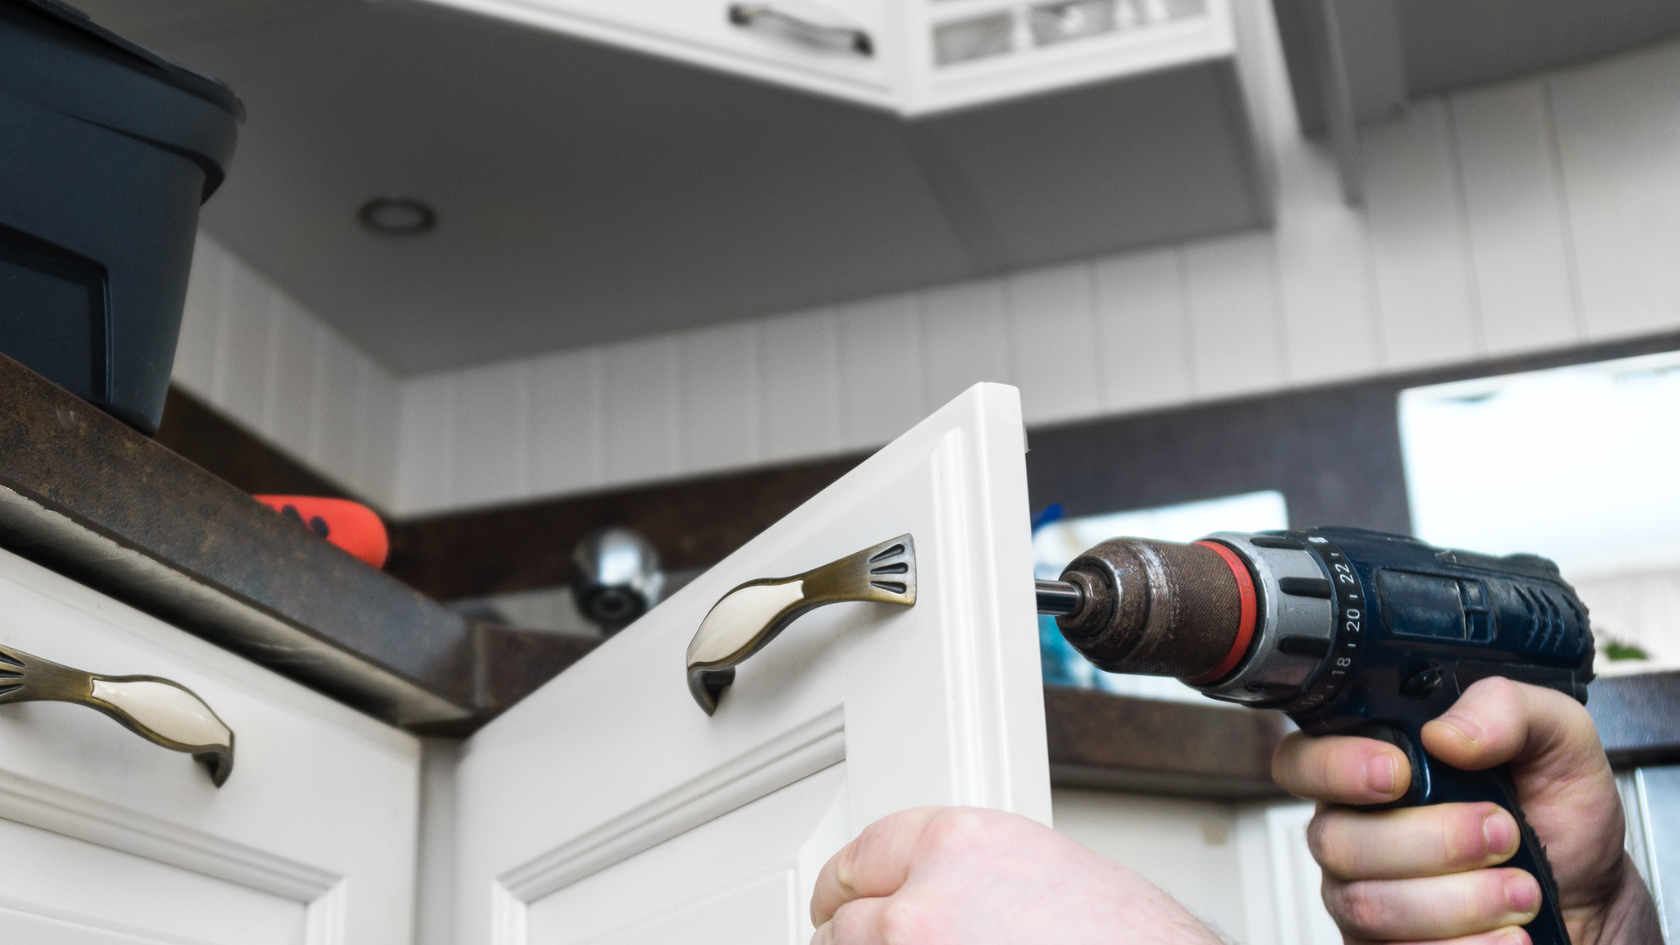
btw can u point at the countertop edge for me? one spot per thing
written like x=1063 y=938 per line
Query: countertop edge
x=90 y=497
x=128 y=574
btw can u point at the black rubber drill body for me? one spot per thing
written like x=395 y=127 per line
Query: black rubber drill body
x=1416 y=626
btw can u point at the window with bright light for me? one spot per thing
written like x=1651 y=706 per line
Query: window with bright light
x=1580 y=464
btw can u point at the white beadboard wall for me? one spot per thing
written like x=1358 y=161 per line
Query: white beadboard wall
x=1524 y=216
x=1529 y=215
x=272 y=366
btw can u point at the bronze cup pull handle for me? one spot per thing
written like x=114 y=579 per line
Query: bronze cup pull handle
x=750 y=616
x=155 y=709
x=800 y=23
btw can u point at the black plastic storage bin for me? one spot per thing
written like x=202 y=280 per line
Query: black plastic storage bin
x=106 y=151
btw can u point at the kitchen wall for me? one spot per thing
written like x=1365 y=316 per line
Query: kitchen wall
x=275 y=368
x=1531 y=215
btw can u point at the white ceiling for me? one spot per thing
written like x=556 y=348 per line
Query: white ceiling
x=1397 y=49
x=1451 y=44
x=582 y=194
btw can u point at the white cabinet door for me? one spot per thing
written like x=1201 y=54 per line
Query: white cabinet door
x=106 y=838
x=923 y=56
x=607 y=807
x=772 y=41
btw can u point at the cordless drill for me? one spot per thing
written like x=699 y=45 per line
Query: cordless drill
x=1347 y=631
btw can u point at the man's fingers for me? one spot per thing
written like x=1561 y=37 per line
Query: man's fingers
x=1412 y=841
x=1432 y=908
x=905 y=917
x=1497 y=720
x=875 y=864
x=1339 y=769
x=856 y=923
x=1562 y=777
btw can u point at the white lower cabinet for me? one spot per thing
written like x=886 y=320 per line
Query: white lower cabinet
x=1187 y=846
x=1241 y=867
x=106 y=838
x=609 y=806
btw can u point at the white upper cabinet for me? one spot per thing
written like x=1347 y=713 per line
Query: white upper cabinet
x=610 y=807
x=970 y=52
x=914 y=57
x=842 y=48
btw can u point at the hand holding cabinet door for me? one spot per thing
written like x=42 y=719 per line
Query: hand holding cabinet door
x=966 y=876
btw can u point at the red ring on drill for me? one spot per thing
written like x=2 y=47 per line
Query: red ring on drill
x=1245 y=625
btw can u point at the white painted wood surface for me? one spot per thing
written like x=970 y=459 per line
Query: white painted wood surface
x=642 y=429
x=268 y=363
x=1186 y=846
x=1280 y=889
x=1534 y=214
x=1052 y=341
x=1243 y=868
x=607 y=807
x=1232 y=300
x=900 y=73
x=1520 y=217
x=1519 y=251
x=799 y=385
x=719 y=396
x=700 y=32
x=1424 y=283
x=109 y=838
x=1616 y=134
x=965 y=338
x=880 y=359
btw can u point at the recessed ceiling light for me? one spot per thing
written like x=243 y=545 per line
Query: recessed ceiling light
x=397 y=216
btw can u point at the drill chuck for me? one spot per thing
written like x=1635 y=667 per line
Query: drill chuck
x=1158 y=608
x=1244 y=618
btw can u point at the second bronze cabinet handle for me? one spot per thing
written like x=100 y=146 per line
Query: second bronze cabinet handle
x=750 y=616
x=158 y=710
x=804 y=23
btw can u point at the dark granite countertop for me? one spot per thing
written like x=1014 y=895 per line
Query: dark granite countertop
x=87 y=496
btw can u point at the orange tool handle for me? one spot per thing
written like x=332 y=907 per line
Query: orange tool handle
x=349 y=525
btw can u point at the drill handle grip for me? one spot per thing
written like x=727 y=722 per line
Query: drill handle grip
x=1436 y=782
x=1452 y=785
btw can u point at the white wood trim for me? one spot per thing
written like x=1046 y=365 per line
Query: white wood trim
x=54 y=809
x=801 y=751
x=509 y=917
x=327 y=917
